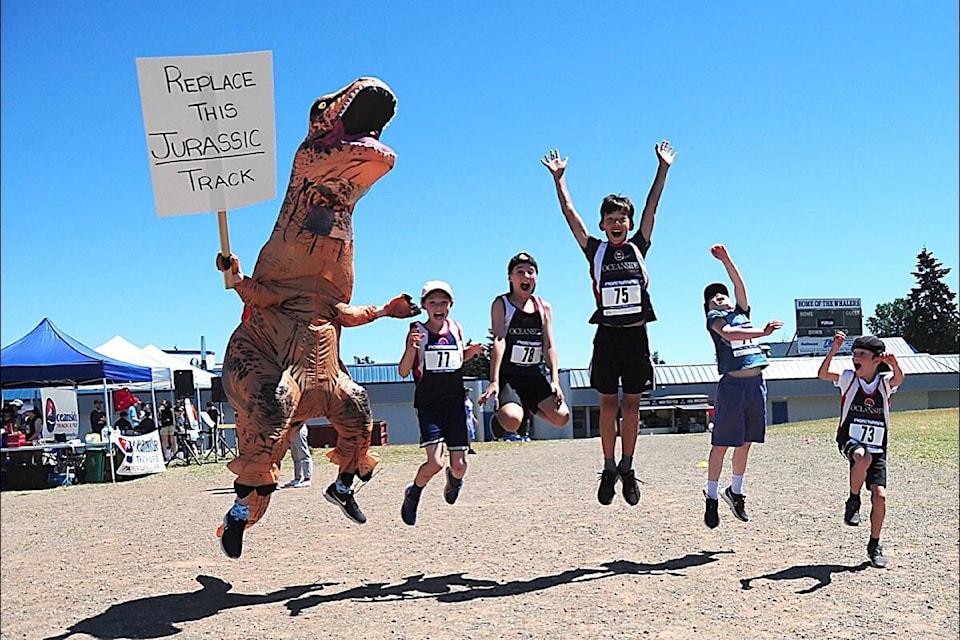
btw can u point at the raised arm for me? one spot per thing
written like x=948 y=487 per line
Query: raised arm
x=898 y=376
x=557 y=167
x=498 y=328
x=665 y=156
x=739 y=288
x=824 y=372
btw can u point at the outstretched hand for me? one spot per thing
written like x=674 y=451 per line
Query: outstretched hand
x=402 y=306
x=474 y=349
x=554 y=164
x=665 y=153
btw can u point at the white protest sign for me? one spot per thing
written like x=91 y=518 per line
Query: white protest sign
x=210 y=131
x=60 y=414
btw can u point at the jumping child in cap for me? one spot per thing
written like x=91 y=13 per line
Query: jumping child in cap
x=435 y=352
x=865 y=394
x=621 y=351
x=740 y=405
x=522 y=327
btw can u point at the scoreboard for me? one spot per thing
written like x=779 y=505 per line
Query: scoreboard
x=821 y=318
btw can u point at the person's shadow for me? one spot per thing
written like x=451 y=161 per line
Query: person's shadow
x=821 y=573
x=157 y=616
x=455 y=587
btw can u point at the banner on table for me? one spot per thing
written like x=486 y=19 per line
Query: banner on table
x=141 y=454
x=60 y=413
x=209 y=122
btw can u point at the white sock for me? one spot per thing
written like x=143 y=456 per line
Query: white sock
x=712 y=489
x=737 y=484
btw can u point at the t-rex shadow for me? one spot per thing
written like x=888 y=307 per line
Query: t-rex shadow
x=157 y=616
x=822 y=573
x=442 y=588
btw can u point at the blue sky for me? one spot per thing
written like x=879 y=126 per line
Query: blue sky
x=817 y=140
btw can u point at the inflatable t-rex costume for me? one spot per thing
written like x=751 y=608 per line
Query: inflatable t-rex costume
x=282 y=364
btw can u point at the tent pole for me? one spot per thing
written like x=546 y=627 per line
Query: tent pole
x=109 y=460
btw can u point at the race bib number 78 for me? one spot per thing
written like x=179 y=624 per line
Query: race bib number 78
x=526 y=355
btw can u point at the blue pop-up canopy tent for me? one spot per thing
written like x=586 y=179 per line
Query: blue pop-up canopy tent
x=47 y=357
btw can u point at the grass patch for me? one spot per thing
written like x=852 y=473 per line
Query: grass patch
x=931 y=435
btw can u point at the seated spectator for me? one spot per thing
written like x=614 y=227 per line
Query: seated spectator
x=123 y=424
x=147 y=423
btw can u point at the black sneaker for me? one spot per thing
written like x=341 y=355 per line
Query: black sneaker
x=452 y=490
x=851 y=512
x=877 y=558
x=408 y=511
x=630 y=487
x=231 y=531
x=346 y=503
x=608 y=487
x=471 y=452
x=737 y=502
x=711 y=517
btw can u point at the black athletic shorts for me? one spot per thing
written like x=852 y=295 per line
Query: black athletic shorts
x=527 y=391
x=877 y=473
x=621 y=356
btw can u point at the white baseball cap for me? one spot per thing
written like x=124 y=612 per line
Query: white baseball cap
x=435 y=285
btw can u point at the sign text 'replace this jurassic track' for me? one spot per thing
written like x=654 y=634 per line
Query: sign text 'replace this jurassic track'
x=209 y=123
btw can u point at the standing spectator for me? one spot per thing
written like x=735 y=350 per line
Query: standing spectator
x=472 y=421
x=98 y=419
x=168 y=431
x=32 y=424
x=214 y=414
x=302 y=462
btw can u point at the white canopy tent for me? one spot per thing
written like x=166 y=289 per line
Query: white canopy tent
x=120 y=348
x=201 y=378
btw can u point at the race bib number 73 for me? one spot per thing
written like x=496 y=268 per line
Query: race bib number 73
x=867 y=433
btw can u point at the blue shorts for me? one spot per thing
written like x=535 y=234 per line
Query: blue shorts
x=444 y=423
x=740 y=411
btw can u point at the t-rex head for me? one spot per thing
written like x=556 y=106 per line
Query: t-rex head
x=343 y=145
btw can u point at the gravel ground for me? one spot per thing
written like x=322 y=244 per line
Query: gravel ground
x=527 y=552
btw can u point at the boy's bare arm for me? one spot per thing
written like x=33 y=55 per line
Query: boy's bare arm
x=499 y=331
x=739 y=288
x=824 y=372
x=665 y=156
x=898 y=376
x=410 y=351
x=557 y=167
x=553 y=360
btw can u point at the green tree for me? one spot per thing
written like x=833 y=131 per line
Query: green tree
x=479 y=366
x=934 y=318
x=890 y=319
x=655 y=357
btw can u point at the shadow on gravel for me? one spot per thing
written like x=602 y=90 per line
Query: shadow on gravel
x=456 y=587
x=822 y=573
x=156 y=616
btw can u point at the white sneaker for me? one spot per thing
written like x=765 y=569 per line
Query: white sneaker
x=293 y=483
x=303 y=484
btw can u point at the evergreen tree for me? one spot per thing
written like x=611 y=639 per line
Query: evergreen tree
x=934 y=319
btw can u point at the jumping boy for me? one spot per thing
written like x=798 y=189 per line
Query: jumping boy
x=865 y=394
x=740 y=405
x=522 y=327
x=621 y=351
x=435 y=352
